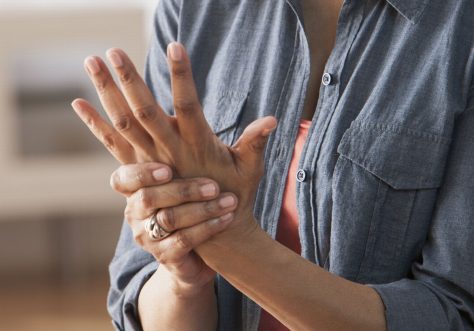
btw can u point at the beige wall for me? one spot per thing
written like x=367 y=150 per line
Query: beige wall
x=59 y=219
x=58 y=215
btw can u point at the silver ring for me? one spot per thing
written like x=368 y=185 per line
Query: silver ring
x=154 y=230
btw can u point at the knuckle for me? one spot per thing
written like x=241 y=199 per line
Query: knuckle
x=108 y=140
x=122 y=123
x=145 y=113
x=145 y=198
x=160 y=255
x=115 y=180
x=210 y=208
x=93 y=126
x=183 y=241
x=101 y=85
x=128 y=215
x=185 y=106
x=179 y=71
x=127 y=77
x=138 y=238
x=185 y=192
x=89 y=120
x=166 y=219
x=258 y=145
x=140 y=178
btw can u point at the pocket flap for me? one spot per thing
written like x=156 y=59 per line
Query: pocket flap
x=222 y=109
x=403 y=158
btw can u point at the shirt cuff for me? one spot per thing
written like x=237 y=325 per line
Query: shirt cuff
x=410 y=305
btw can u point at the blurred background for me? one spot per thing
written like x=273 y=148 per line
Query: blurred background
x=59 y=220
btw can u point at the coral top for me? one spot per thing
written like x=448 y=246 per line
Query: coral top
x=287 y=232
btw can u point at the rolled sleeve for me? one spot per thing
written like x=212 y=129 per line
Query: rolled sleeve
x=440 y=293
x=409 y=305
x=129 y=271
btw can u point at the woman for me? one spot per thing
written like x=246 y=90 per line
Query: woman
x=367 y=189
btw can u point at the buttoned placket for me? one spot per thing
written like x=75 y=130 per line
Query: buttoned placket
x=295 y=91
x=289 y=111
x=350 y=20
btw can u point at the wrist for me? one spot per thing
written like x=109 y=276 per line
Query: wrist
x=180 y=288
x=240 y=240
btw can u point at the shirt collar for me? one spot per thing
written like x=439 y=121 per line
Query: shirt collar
x=410 y=9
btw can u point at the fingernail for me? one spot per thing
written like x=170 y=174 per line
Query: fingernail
x=92 y=66
x=227 y=217
x=227 y=201
x=223 y=219
x=75 y=104
x=115 y=59
x=176 y=52
x=267 y=132
x=208 y=190
x=161 y=174
x=215 y=221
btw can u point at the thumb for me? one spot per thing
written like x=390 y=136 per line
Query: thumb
x=250 y=146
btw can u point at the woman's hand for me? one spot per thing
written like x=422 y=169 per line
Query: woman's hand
x=192 y=209
x=270 y=274
x=142 y=132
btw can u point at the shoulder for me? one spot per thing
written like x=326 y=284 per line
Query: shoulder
x=450 y=26
x=453 y=15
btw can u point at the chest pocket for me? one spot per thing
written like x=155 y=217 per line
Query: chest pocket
x=223 y=111
x=384 y=190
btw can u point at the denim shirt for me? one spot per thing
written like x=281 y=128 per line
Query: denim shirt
x=385 y=191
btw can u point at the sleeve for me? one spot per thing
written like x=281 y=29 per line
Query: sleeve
x=440 y=295
x=129 y=270
x=131 y=266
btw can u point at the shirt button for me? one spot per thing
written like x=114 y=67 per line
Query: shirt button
x=327 y=79
x=301 y=175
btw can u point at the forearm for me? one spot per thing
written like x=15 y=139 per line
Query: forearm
x=297 y=292
x=162 y=307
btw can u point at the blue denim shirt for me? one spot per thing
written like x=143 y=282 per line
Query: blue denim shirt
x=386 y=187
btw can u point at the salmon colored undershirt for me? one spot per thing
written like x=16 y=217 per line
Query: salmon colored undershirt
x=287 y=232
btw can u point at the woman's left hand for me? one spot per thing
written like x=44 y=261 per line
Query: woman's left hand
x=142 y=132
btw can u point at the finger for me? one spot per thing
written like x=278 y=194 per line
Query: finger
x=191 y=121
x=131 y=177
x=145 y=201
x=189 y=214
x=250 y=146
x=173 y=248
x=139 y=97
x=104 y=132
x=116 y=106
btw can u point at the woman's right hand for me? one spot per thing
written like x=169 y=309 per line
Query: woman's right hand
x=150 y=189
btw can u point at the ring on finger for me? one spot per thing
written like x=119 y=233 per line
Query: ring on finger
x=154 y=229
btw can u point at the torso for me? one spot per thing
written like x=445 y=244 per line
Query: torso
x=379 y=144
x=320 y=20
